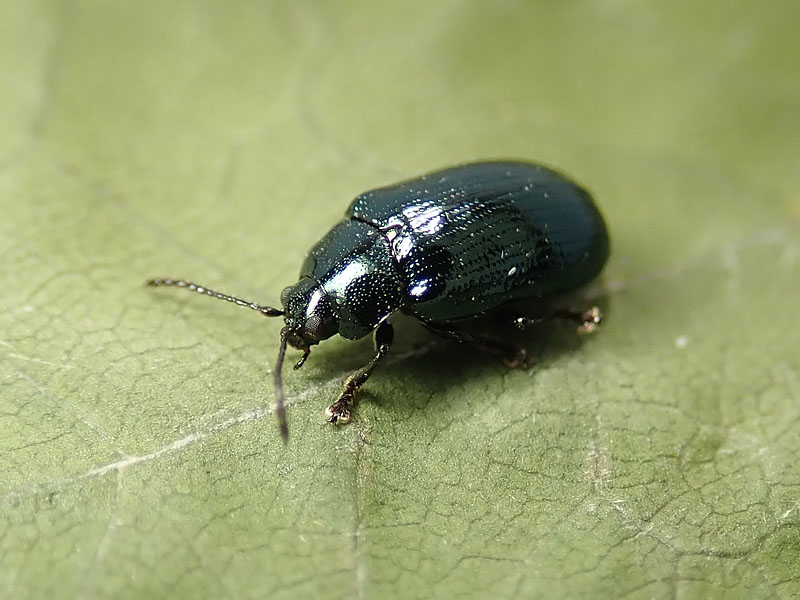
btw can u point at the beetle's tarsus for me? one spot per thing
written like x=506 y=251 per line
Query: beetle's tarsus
x=588 y=320
x=517 y=359
x=592 y=318
x=514 y=356
x=339 y=411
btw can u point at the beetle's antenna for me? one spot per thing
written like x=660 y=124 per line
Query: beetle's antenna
x=267 y=311
x=280 y=405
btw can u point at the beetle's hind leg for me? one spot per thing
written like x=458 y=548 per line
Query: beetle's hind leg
x=339 y=411
x=587 y=320
x=513 y=355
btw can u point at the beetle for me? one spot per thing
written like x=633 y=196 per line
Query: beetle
x=447 y=248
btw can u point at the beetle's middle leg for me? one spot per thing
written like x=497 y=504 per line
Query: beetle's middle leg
x=513 y=355
x=339 y=411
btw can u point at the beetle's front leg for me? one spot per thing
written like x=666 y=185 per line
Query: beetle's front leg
x=339 y=411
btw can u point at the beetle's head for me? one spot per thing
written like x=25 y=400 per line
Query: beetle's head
x=309 y=315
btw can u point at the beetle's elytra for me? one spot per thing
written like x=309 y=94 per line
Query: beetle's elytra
x=446 y=248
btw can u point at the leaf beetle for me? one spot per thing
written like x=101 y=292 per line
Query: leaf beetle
x=447 y=248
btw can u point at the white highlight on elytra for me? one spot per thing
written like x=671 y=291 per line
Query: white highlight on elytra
x=420 y=288
x=427 y=219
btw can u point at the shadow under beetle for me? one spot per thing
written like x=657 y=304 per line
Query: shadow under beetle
x=447 y=248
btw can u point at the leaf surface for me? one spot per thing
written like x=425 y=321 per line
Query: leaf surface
x=139 y=456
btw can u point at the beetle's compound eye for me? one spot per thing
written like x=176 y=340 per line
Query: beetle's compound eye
x=314 y=322
x=287 y=291
x=319 y=319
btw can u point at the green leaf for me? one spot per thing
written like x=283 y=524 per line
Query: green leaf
x=139 y=456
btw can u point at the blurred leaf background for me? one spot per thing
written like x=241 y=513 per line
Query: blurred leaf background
x=218 y=141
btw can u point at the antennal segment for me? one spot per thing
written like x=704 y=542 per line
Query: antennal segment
x=280 y=405
x=267 y=311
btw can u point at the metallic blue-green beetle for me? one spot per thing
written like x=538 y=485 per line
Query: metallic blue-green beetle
x=447 y=248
